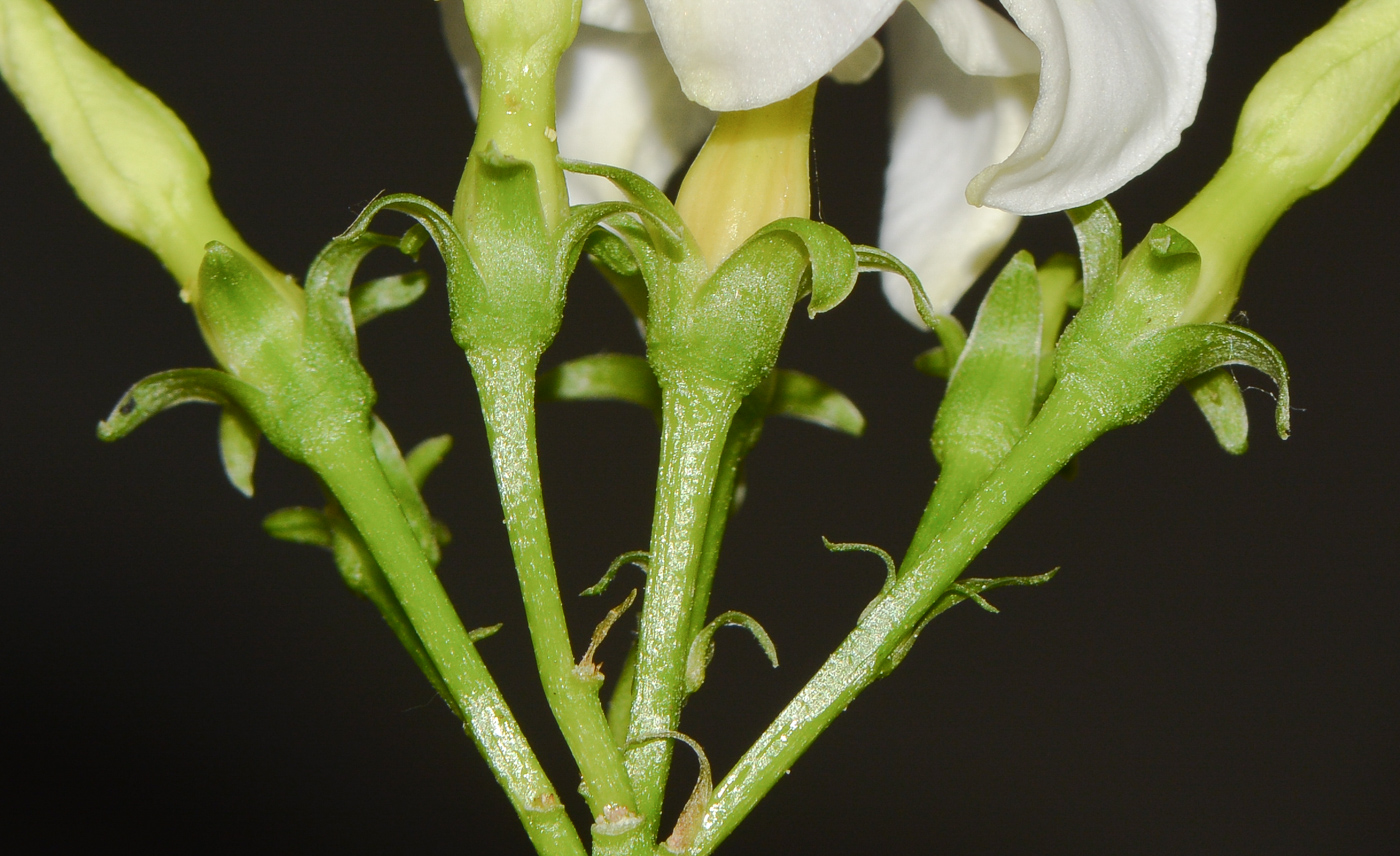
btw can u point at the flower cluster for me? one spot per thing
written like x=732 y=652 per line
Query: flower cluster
x=991 y=120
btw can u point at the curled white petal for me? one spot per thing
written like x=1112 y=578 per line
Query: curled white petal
x=860 y=64
x=618 y=104
x=979 y=40
x=947 y=126
x=620 y=16
x=1119 y=81
x=742 y=54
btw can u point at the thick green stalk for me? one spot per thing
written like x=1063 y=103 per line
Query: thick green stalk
x=352 y=472
x=506 y=386
x=743 y=434
x=695 y=426
x=1064 y=427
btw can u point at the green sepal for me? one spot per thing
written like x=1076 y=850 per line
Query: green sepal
x=702 y=647
x=611 y=256
x=423 y=458
x=1218 y=396
x=299 y=525
x=801 y=396
x=640 y=558
x=369 y=300
x=158 y=392
x=940 y=361
x=1100 y=237
x=238 y=448
x=876 y=260
x=250 y=326
x=1061 y=289
x=405 y=488
x=965 y=589
x=992 y=392
x=1177 y=354
x=727 y=331
x=832 y=262
x=603 y=377
x=642 y=192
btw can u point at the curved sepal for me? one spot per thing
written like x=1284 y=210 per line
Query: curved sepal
x=299 y=525
x=405 y=488
x=940 y=361
x=1177 y=354
x=423 y=458
x=801 y=396
x=432 y=220
x=158 y=392
x=702 y=647
x=238 y=448
x=891 y=571
x=253 y=329
x=1218 y=396
x=603 y=377
x=1100 y=236
x=992 y=391
x=876 y=260
x=369 y=300
x=831 y=259
x=645 y=194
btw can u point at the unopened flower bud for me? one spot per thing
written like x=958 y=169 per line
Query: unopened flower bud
x=1303 y=125
x=128 y=156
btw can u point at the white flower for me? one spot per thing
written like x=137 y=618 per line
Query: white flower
x=1084 y=96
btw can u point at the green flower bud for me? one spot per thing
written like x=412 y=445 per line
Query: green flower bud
x=1303 y=125
x=128 y=156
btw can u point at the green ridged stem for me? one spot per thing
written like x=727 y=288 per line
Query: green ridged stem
x=695 y=427
x=352 y=473
x=1066 y=425
x=506 y=387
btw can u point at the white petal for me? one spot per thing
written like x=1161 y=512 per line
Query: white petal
x=979 y=40
x=621 y=16
x=860 y=64
x=947 y=126
x=618 y=103
x=1119 y=81
x=459 y=42
x=742 y=54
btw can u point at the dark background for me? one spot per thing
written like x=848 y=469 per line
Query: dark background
x=1213 y=671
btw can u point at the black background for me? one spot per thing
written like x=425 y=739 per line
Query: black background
x=1213 y=671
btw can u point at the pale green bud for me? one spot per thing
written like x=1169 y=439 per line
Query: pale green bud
x=1303 y=125
x=128 y=156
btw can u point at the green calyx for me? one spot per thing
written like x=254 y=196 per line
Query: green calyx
x=291 y=367
x=1133 y=341
x=721 y=329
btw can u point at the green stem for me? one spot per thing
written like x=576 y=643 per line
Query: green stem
x=1063 y=428
x=743 y=436
x=506 y=386
x=352 y=472
x=364 y=576
x=695 y=426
